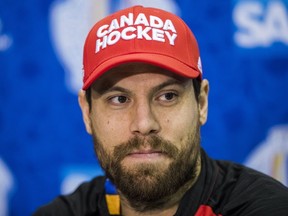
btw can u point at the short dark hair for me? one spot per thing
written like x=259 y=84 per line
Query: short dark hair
x=196 y=84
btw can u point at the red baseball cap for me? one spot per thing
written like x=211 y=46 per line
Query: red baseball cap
x=140 y=34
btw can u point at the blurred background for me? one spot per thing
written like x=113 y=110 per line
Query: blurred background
x=44 y=149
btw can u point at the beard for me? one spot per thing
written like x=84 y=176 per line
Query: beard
x=149 y=186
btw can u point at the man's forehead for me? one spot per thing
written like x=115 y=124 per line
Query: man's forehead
x=125 y=70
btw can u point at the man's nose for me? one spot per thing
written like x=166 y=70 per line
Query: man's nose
x=144 y=121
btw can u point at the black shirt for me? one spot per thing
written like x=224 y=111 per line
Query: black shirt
x=222 y=188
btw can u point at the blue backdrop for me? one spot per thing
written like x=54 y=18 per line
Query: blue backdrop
x=44 y=149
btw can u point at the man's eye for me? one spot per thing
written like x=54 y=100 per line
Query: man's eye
x=119 y=99
x=169 y=96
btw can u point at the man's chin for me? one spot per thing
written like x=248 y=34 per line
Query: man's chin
x=140 y=186
x=159 y=163
x=144 y=170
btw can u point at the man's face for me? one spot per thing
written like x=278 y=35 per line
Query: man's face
x=145 y=123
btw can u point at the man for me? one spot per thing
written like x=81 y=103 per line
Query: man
x=143 y=101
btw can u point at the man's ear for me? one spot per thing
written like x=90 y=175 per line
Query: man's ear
x=203 y=101
x=85 y=108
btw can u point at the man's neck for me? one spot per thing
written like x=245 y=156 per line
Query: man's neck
x=126 y=210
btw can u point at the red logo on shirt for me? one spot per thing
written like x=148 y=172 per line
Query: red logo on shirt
x=205 y=210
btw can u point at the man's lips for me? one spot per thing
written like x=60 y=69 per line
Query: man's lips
x=146 y=153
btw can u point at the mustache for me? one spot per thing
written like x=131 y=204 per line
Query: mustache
x=154 y=142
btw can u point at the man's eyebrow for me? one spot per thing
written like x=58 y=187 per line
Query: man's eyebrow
x=105 y=89
x=113 y=88
x=168 y=83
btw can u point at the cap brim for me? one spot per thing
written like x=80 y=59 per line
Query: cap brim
x=162 y=61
